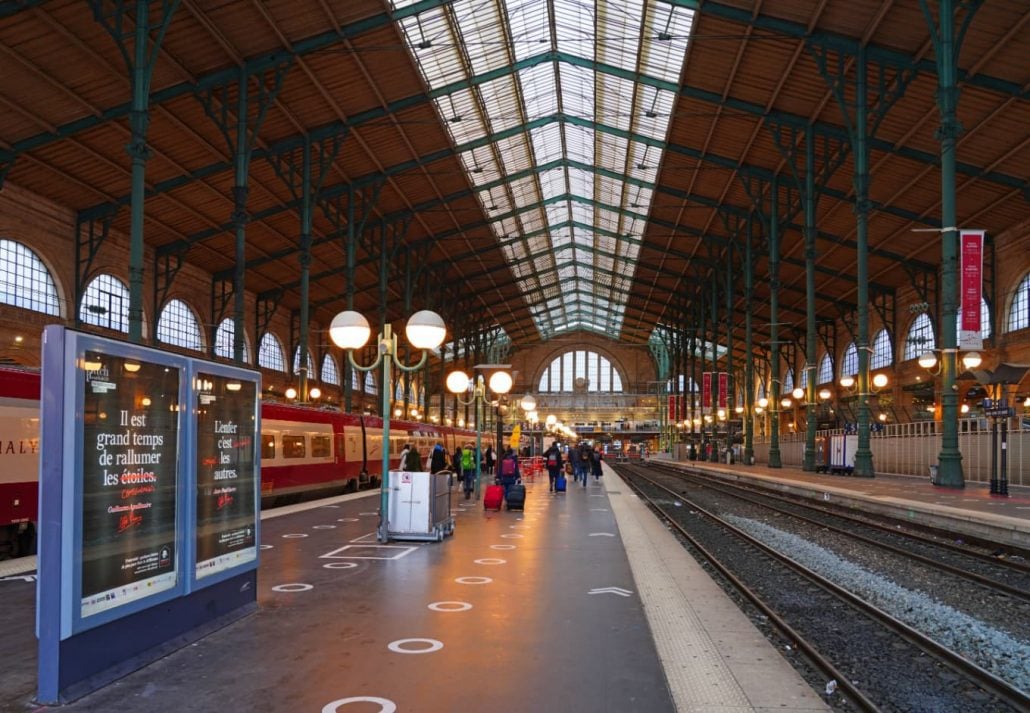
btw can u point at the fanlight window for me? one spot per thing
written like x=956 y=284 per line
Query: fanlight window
x=849 y=364
x=177 y=325
x=270 y=353
x=826 y=370
x=1019 y=312
x=25 y=281
x=883 y=351
x=224 y=341
x=106 y=304
x=580 y=371
x=920 y=337
x=330 y=374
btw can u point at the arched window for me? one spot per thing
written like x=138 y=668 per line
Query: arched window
x=177 y=325
x=296 y=362
x=788 y=381
x=25 y=281
x=883 y=351
x=356 y=380
x=330 y=374
x=803 y=383
x=398 y=392
x=920 y=337
x=370 y=384
x=225 y=337
x=985 y=319
x=849 y=363
x=270 y=353
x=106 y=304
x=581 y=370
x=826 y=370
x=1019 y=312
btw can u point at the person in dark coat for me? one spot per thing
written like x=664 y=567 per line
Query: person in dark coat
x=489 y=460
x=412 y=461
x=595 y=464
x=508 y=470
x=438 y=459
x=456 y=464
x=553 y=463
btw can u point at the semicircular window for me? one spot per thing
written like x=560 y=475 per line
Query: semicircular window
x=225 y=338
x=178 y=325
x=330 y=373
x=270 y=353
x=581 y=371
x=25 y=281
x=106 y=304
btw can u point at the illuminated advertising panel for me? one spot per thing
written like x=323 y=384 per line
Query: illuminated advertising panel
x=226 y=504
x=130 y=442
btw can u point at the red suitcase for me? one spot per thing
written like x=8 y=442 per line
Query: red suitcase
x=493 y=497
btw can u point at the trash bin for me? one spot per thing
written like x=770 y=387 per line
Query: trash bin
x=933 y=473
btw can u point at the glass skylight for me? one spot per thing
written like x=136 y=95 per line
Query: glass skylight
x=592 y=151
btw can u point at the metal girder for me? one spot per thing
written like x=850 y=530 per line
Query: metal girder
x=841 y=43
x=9 y=8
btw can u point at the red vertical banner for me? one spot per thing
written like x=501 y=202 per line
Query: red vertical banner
x=724 y=389
x=971 y=249
x=706 y=392
x=672 y=408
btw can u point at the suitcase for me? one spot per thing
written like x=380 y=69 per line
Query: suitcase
x=493 y=497
x=517 y=497
x=559 y=484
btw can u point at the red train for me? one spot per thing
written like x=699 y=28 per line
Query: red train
x=305 y=452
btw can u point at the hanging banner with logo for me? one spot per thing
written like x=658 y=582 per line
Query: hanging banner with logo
x=706 y=392
x=672 y=408
x=971 y=248
x=724 y=389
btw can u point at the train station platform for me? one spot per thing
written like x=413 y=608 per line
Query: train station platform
x=972 y=511
x=585 y=602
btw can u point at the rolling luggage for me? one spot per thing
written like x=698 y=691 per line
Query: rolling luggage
x=493 y=497
x=559 y=484
x=517 y=497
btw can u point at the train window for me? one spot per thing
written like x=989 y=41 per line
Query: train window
x=267 y=447
x=320 y=447
x=293 y=447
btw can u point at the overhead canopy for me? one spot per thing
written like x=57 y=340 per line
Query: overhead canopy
x=552 y=165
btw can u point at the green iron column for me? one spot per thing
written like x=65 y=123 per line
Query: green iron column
x=774 y=327
x=946 y=50
x=749 y=364
x=305 y=270
x=714 y=405
x=351 y=249
x=860 y=146
x=810 y=331
x=730 y=390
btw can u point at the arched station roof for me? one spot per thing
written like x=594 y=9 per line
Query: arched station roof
x=548 y=165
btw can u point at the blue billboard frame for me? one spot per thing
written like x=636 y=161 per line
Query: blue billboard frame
x=78 y=654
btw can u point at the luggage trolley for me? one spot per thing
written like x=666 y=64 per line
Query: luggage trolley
x=420 y=506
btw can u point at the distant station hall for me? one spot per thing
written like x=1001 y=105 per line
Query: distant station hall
x=529 y=356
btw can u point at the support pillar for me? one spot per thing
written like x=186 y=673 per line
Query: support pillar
x=749 y=364
x=774 y=327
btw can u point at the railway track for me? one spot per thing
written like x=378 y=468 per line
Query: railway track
x=878 y=661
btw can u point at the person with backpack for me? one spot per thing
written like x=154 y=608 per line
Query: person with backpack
x=552 y=460
x=456 y=464
x=489 y=460
x=412 y=461
x=595 y=464
x=437 y=459
x=508 y=471
x=468 y=467
x=582 y=463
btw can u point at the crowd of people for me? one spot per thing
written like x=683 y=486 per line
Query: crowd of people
x=576 y=461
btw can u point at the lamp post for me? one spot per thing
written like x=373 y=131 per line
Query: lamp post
x=458 y=382
x=949 y=460
x=528 y=404
x=349 y=330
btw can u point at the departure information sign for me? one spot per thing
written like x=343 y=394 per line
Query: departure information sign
x=130 y=461
x=226 y=411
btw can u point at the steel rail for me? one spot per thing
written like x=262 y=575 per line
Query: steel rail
x=980 y=676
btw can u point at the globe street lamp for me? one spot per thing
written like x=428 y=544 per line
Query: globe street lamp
x=458 y=382
x=349 y=330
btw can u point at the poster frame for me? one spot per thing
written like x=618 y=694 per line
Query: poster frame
x=194 y=582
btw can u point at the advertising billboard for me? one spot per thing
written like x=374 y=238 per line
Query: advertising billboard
x=130 y=442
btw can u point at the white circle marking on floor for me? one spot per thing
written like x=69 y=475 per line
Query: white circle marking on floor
x=267 y=547
x=340 y=565
x=323 y=527
x=385 y=704
x=512 y=536
x=294 y=536
x=450 y=606
x=491 y=560
x=348 y=519
x=473 y=580
x=398 y=646
x=502 y=547
x=293 y=587
x=376 y=512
